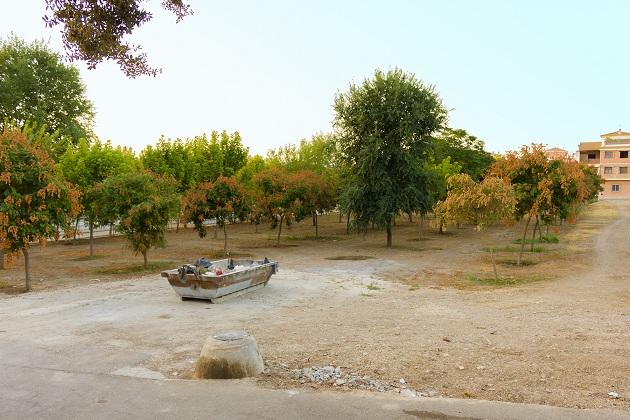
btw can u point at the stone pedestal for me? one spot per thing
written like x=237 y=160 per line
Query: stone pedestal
x=229 y=355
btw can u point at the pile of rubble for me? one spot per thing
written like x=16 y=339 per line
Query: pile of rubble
x=334 y=376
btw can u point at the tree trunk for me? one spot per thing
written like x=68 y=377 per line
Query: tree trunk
x=494 y=263
x=177 y=225
x=420 y=228
x=316 y=218
x=280 y=230
x=111 y=230
x=340 y=217
x=146 y=260
x=91 y=239
x=76 y=229
x=27 y=269
x=389 y=233
x=1 y=259
x=520 y=254
x=216 y=230
x=225 y=238
x=441 y=229
x=348 y=224
x=256 y=224
x=531 y=248
x=410 y=217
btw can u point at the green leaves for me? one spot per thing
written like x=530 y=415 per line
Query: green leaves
x=143 y=203
x=37 y=87
x=385 y=127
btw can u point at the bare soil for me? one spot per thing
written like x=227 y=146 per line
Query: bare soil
x=555 y=331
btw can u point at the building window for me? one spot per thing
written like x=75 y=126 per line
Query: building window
x=615 y=187
x=608 y=169
x=623 y=154
x=623 y=169
x=609 y=155
x=591 y=155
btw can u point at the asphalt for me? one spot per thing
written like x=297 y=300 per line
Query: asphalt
x=40 y=393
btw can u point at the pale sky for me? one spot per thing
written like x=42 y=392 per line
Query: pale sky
x=511 y=72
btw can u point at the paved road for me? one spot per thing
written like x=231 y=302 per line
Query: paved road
x=36 y=393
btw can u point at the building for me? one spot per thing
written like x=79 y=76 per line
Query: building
x=610 y=157
x=556 y=153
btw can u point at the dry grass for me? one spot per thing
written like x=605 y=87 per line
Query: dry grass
x=443 y=260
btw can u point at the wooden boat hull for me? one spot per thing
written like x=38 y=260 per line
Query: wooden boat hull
x=205 y=286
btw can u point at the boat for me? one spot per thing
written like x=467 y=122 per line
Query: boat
x=216 y=280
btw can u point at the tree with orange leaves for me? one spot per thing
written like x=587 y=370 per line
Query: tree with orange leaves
x=545 y=189
x=223 y=200
x=34 y=201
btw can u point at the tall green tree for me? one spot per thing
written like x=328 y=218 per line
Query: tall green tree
x=94 y=31
x=205 y=158
x=385 y=126
x=463 y=149
x=34 y=202
x=87 y=166
x=37 y=87
x=233 y=151
x=144 y=203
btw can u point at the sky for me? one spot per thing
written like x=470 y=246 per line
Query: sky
x=511 y=73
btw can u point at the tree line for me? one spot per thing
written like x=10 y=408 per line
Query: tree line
x=391 y=153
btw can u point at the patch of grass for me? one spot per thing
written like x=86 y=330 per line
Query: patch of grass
x=373 y=286
x=502 y=281
x=513 y=263
x=136 y=268
x=3 y=284
x=88 y=258
x=547 y=238
x=510 y=248
x=414 y=287
x=349 y=258
x=311 y=238
x=423 y=238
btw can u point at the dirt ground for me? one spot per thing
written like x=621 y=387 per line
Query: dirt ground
x=555 y=331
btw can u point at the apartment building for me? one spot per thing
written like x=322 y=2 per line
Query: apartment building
x=610 y=157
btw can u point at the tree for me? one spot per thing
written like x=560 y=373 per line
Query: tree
x=463 y=149
x=545 y=189
x=223 y=200
x=87 y=166
x=233 y=151
x=205 y=159
x=34 y=200
x=37 y=87
x=170 y=158
x=144 y=203
x=439 y=173
x=477 y=203
x=385 y=125
x=94 y=31
x=319 y=194
x=281 y=197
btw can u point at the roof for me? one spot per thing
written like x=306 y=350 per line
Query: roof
x=555 y=149
x=590 y=145
x=616 y=133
